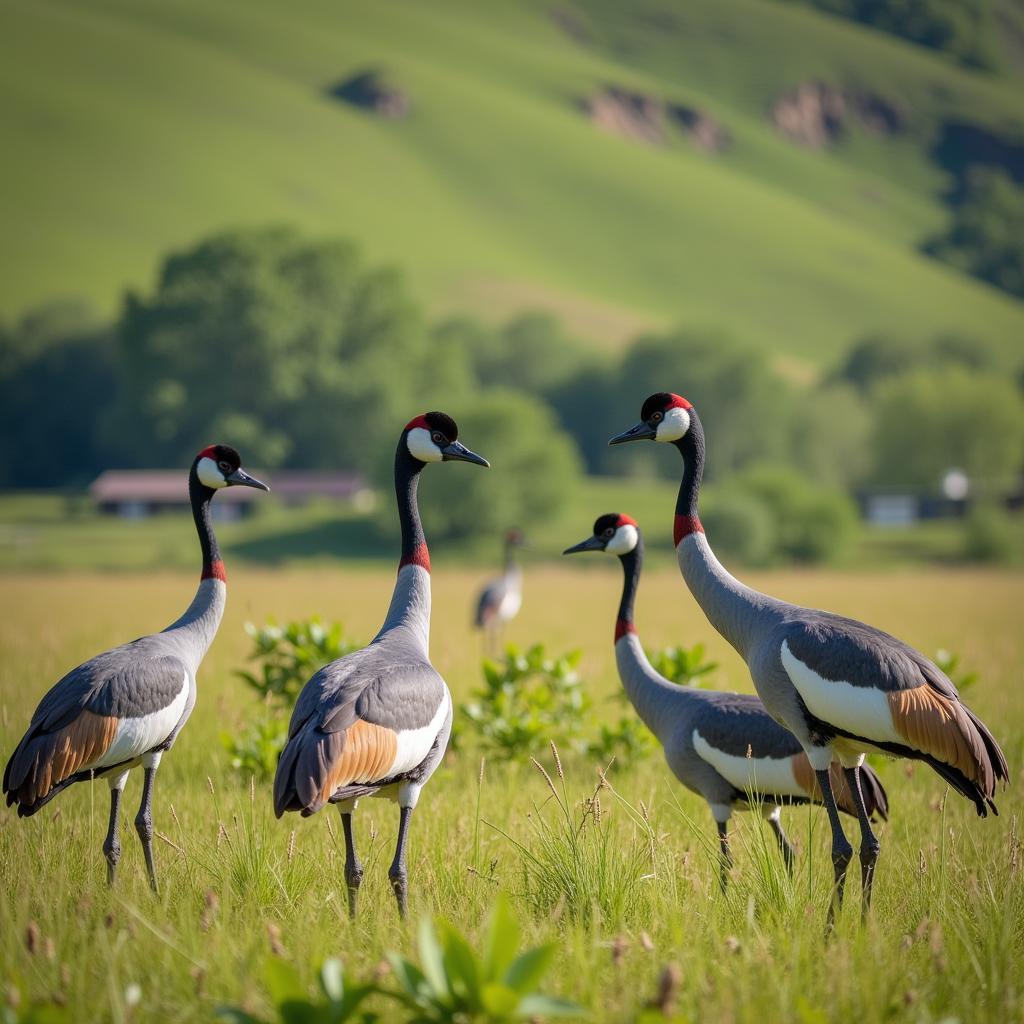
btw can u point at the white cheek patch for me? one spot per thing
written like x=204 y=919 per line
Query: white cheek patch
x=674 y=425
x=624 y=540
x=421 y=446
x=208 y=473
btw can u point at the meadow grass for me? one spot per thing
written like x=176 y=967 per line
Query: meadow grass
x=622 y=896
x=131 y=129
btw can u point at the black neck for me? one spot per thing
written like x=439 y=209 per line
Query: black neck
x=200 y=496
x=632 y=562
x=407 y=478
x=691 y=447
x=510 y=555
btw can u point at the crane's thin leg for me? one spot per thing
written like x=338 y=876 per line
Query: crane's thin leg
x=397 y=873
x=869 y=844
x=842 y=851
x=725 y=858
x=112 y=843
x=353 y=869
x=775 y=820
x=144 y=819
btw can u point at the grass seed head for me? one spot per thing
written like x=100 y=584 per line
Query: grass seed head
x=274 y=937
x=558 y=760
x=32 y=937
x=668 y=989
x=547 y=778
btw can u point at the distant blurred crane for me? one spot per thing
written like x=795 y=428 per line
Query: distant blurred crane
x=500 y=600
x=126 y=706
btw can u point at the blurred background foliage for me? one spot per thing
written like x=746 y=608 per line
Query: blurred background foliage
x=806 y=215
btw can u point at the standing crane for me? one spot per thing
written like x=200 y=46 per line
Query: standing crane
x=722 y=746
x=500 y=600
x=125 y=707
x=841 y=687
x=376 y=722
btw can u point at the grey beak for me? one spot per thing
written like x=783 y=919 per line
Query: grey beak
x=641 y=432
x=590 y=544
x=458 y=452
x=242 y=479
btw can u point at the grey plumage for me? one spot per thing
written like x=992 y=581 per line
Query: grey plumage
x=377 y=722
x=126 y=706
x=695 y=726
x=842 y=687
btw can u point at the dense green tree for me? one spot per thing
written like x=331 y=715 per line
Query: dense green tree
x=56 y=373
x=535 y=467
x=986 y=233
x=830 y=439
x=288 y=345
x=743 y=404
x=930 y=421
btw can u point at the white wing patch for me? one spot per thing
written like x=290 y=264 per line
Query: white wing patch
x=415 y=744
x=135 y=736
x=861 y=710
x=772 y=775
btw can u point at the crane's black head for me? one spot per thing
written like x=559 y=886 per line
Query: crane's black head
x=434 y=437
x=615 y=533
x=514 y=537
x=663 y=417
x=220 y=465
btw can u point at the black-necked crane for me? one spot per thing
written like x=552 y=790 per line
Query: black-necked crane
x=376 y=722
x=125 y=707
x=724 y=747
x=841 y=687
x=500 y=600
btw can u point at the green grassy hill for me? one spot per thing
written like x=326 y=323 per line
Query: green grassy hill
x=130 y=128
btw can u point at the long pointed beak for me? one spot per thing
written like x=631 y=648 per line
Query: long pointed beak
x=641 y=432
x=590 y=544
x=242 y=479
x=458 y=452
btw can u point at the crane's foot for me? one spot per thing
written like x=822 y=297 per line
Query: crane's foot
x=353 y=879
x=400 y=884
x=868 y=858
x=841 y=857
x=112 y=854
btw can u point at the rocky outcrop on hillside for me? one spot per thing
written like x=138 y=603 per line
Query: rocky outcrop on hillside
x=371 y=91
x=815 y=114
x=646 y=118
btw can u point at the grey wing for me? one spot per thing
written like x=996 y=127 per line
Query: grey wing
x=737 y=722
x=346 y=726
x=77 y=720
x=490 y=601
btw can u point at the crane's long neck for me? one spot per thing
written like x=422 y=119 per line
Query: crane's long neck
x=511 y=571
x=737 y=611
x=409 y=610
x=656 y=700
x=197 y=626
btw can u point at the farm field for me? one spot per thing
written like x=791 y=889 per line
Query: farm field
x=944 y=942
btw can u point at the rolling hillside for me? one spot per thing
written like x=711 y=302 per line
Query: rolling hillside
x=130 y=127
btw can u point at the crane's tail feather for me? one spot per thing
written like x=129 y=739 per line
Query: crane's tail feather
x=876 y=800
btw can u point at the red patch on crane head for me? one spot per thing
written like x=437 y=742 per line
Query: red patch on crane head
x=209 y=452
x=420 y=421
x=678 y=402
x=625 y=520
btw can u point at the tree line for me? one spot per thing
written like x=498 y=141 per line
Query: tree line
x=302 y=354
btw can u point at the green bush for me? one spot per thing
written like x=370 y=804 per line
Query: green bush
x=810 y=523
x=528 y=700
x=742 y=526
x=989 y=534
x=287 y=655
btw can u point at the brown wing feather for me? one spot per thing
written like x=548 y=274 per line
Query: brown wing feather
x=367 y=754
x=937 y=725
x=57 y=755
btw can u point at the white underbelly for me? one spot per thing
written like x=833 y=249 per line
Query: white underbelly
x=415 y=744
x=861 y=710
x=769 y=775
x=135 y=736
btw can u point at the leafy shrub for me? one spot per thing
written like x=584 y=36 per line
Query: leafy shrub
x=341 y=1001
x=452 y=984
x=988 y=534
x=684 y=666
x=288 y=655
x=742 y=527
x=528 y=699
